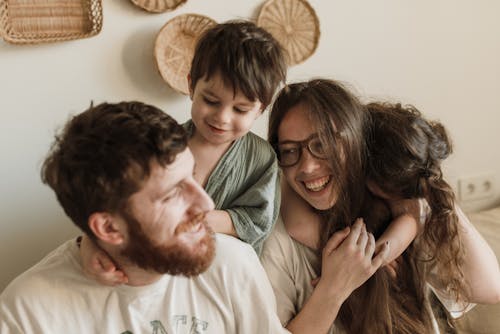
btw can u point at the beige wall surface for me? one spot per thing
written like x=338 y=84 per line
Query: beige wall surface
x=442 y=56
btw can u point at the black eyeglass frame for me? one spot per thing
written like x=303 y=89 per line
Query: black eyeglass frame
x=300 y=144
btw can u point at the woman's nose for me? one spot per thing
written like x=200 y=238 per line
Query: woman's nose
x=307 y=162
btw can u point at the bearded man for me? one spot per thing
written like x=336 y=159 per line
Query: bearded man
x=124 y=175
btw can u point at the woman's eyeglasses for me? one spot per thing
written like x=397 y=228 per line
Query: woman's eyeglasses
x=290 y=152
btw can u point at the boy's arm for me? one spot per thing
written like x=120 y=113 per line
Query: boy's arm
x=220 y=221
x=255 y=210
x=97 y=265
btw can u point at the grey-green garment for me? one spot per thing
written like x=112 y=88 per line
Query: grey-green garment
x=245 y=183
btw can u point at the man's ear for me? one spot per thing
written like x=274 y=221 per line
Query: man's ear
x=107 y=227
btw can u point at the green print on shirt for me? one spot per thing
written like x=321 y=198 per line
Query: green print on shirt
x=197 y=326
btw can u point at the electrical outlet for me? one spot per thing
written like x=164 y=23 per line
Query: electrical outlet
x=476 y=187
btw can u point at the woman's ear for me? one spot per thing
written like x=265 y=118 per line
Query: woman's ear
x=107 y=228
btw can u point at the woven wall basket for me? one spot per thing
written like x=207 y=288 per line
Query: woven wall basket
x=39 y=21
x=174 y=48
x=158 y=6
x=294 y=24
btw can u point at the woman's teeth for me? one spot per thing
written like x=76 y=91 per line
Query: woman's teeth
x=318 y=184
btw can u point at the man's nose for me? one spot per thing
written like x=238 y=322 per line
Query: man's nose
x=201 y=202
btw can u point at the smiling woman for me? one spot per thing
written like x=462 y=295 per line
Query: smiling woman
x=320 y=108
x=310 y=174
x=323 y=188
x=319 y=241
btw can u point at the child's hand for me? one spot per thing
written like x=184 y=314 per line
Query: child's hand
x=97 y=265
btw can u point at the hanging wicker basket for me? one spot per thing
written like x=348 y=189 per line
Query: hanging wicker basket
x=158 y=6
x=174 y=48
x=36 y=21
x=294 y=24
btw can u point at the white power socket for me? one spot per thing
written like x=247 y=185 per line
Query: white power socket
x=476 y=187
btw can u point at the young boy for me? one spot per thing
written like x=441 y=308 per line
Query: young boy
x=235 y=72
x=236 y=69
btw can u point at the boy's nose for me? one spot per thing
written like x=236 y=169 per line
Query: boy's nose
x=223 y=115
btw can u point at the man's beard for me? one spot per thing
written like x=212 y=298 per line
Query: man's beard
x=176 y=259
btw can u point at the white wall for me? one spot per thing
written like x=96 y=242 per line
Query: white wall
x=443 y=56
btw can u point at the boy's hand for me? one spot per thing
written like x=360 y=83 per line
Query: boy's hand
x=97 y=265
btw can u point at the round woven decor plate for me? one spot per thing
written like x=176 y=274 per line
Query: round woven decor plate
x=294 y=24
x=158 y=6
x=174 y=48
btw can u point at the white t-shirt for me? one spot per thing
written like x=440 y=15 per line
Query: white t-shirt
x=232 y=296
x=291 y=266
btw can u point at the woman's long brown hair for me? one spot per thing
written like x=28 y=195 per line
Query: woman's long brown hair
x=340 y=122
x=382 y=304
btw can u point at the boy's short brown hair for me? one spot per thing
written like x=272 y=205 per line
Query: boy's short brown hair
x=247 y=57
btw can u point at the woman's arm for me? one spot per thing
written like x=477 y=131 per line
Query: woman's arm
x=346 y=264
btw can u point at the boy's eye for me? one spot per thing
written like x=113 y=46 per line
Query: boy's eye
x=210 y=101
x=240 y=111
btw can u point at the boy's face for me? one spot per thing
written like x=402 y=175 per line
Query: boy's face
x=219 y=115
